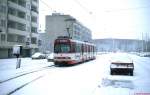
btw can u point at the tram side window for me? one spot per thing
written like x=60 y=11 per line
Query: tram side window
x=86 y=48
x=78 y=47
x=89 y=48
x=82 y=48
x=93 y=49
x=73 y=46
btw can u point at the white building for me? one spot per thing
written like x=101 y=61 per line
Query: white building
x=125 y=45
x=63 y=25
x=18 y=25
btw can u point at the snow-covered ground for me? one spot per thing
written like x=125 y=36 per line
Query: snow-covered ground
x=8 y=67
x=138 y=84
x=10 y=77
x=39 y=77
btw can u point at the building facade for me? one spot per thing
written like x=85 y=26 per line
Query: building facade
x=145 y=35
x=63 y=25
x=18 y=25
x=125 y=45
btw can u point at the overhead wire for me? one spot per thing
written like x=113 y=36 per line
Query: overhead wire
x=47 y=6
x=83 y=7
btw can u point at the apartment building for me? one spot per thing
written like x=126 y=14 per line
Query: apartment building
x=18 y=26
x=63 y=25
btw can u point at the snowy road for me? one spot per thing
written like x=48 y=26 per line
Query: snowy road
x=138 y=84
x=90 y=78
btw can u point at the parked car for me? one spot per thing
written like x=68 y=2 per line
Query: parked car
x=122 y=64
x=38 y=55
x=50 y=57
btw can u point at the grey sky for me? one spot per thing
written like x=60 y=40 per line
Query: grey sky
x=106 y=18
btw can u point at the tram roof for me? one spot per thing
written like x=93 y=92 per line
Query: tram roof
x=78 y=41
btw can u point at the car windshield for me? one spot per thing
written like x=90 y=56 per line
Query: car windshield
x=62 y=48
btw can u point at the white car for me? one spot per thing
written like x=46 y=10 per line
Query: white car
x=50 y=57
x=38 y=55
x=122 y=64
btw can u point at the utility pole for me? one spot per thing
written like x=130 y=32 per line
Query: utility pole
x=68 y=25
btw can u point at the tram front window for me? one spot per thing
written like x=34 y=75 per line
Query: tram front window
x=62 y=48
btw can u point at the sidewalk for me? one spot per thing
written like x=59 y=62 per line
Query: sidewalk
x=8 y=67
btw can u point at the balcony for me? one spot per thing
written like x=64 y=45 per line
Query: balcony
x=34 y=9
x=35 y=2
x=16 y=5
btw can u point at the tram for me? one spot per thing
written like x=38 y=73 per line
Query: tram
x=68 y=51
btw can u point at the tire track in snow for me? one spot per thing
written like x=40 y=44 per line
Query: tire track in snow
x=41 y=69
x=18 y=88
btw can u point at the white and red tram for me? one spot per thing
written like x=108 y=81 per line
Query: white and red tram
x=69 y=51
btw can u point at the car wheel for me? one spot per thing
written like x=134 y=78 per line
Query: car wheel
x=131 y=73
x=111 y=72
x=56 y=63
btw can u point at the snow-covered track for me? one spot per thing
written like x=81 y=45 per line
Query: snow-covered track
x=26 y=73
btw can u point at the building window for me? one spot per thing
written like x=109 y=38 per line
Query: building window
x=12 y=11
x=22 y=3
x=33 y=40
x=21 y=14
x=12 y=24
x=34 y=8
x=20 y=39
x=34 y=19
x=34 y=30
x=2 y=9
x=16 y=38
x=11 y=38
x=16 y=25
x=3 y=23
x=21 y=26
x=17 y=13
x=19 y=2
x=3 y=37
